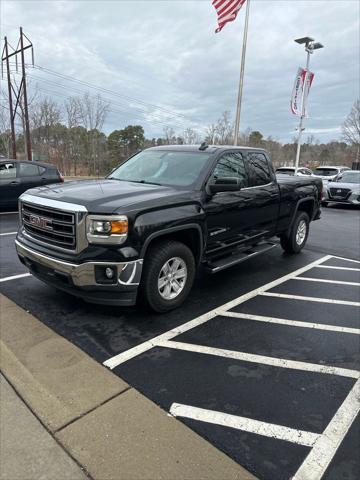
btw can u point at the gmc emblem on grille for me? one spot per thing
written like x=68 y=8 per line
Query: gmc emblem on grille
x=40 y=222
x=338 y=191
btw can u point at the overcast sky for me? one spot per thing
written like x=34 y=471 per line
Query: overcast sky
x=166 y=54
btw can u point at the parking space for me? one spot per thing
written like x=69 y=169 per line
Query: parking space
x=277 y=394
x=270 y=376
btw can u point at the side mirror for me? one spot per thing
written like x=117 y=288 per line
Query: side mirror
x=225 y=184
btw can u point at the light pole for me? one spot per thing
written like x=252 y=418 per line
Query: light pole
x=310 y=46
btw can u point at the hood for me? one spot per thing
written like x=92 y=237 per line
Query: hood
x=355 y=187
x=106 y=196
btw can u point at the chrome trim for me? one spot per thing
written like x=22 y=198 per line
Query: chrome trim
x=257 y=186
x=84 y=274
x=102 y=239
x=50 y=203
x=79 y=212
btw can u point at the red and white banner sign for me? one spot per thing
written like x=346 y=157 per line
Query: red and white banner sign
x=303 y=81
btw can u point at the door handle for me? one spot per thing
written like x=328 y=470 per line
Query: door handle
x=14 y=183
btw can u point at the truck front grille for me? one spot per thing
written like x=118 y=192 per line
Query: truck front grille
x=54 y=227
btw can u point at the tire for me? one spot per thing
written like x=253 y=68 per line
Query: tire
x=324 y=204
x=295 y=241
x=162 y=260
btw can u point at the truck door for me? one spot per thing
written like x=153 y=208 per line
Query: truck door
x=246 y=216
x=264 y=193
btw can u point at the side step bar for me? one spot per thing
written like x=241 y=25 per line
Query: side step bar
x=226 y=262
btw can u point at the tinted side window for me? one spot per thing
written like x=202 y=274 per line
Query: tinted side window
x=259 y=171
x=42 y=170
x=231 y=165
x=7 y=170
x=28 y=170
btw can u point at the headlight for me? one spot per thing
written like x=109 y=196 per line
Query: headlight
x=109 y=229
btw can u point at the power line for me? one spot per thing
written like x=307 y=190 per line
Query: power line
x=154 y=119
x=139 y=113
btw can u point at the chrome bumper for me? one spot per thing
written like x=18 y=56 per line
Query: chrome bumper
x=83 y=275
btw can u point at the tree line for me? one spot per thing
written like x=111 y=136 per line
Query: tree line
x=70 y=135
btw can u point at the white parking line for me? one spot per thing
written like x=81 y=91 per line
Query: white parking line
x=338 y=268
x=292 y=323
x=7 y=233
x=263 y=360
x=245 y=424
x=14 y=277
x=346 y=259
x=320 y=456
x=323 y=280
x=149 y=344
x=310 y=299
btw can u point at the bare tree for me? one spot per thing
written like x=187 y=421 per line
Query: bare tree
x=191 y=137
x=90 y=112
x=351 y=125
x=210 y=132
x=5 y=133
x=169 y=136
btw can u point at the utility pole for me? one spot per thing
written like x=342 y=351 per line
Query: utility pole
x=310 y=46
x=21 y=92
x=242 y=71
x=12 y=122
x=26 y=110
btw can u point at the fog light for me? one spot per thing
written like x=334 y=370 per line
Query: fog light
x=109 y=272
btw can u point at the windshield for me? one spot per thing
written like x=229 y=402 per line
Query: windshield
x=286 y=171
x=326 y=172
x=179 y=169
x=350 y=177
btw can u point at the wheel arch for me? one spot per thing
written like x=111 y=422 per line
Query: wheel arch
x=191 y=235
x=306 y=205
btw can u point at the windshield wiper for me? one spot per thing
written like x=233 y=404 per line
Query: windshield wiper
x=145 y=181
x=134 y=181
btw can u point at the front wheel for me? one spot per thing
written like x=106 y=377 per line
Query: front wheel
x=295 y=240
x=168 y=276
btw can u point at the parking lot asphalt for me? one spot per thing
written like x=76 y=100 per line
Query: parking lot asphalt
x=262 y=360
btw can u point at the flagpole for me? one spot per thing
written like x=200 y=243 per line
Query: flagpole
x=242 y=71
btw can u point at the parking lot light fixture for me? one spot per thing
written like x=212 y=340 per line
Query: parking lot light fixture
x=310 y=47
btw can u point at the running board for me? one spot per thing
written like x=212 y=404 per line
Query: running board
x=218 y=265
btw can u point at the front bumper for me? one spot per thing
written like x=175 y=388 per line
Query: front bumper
x=85 y=280
x=352 y=199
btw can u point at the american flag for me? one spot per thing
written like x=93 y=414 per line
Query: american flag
x=226 y=11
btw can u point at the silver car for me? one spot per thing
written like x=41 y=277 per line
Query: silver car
x=344 y=189
x=328 y=174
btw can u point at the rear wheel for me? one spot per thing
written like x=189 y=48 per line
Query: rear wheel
x=324 y=204
x=168 y=276
x=295 y=241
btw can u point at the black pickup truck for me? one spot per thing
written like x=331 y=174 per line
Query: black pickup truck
x=145 y=230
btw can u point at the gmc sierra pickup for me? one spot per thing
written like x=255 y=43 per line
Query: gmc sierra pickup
x=167 y=211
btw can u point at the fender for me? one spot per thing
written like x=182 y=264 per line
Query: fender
x=161 y=233
x=297 y=209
